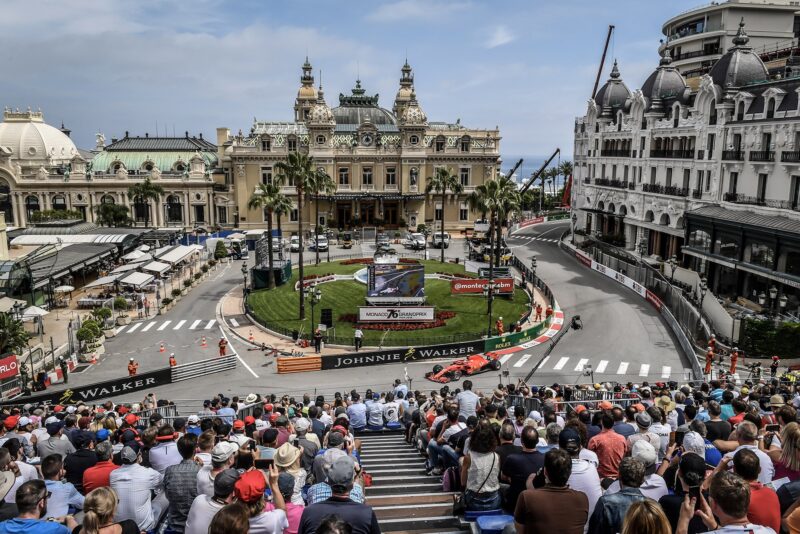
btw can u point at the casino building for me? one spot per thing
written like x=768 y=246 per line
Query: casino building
x=711 y=176
x=379 y=159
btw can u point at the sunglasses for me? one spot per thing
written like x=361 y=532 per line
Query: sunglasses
x=46 y=496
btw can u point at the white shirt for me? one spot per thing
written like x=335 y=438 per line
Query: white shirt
x=589 y=456
x=205 y=483
x=133 y=484
x=269 y=522
x=662 y=431
x=766 y=470
x=748 y=529
x=584 y=478
x=203 y=509
x=390 y=412
x=26 y=472
x=205 y=457
x=164 y=455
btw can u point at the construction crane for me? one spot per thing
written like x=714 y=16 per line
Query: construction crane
x=535 y=175
x=602 y=60
x=514 y=169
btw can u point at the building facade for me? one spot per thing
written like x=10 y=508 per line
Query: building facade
x=379 y=159
x=710 y=176
x=42 y=169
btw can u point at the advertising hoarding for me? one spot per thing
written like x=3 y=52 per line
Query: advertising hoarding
x=396 y=280
x=395 y=314
x=463 y=286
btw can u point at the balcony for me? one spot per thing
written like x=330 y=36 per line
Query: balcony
x=343 y=187
x=587 y=180
x=618 y=153
x=697 y=53
x=221 y=188
x=792 y=156
x=733 y=155
x=696 y=193
x=762 y=155
x=632 y=186
x=738 y=198
x=672 y=154
x=670 y=190
x=701 y=154
x=611 y=183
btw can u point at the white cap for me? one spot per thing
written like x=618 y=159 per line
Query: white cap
x=51 y=419
x=172 y=354
x=24 y=421
x=193 y=420
x=71 y=409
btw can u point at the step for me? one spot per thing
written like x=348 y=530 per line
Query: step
x=404 y=470
x=406 y=498
x=413 y=511
x=382 y=446
x=405 y=524
x=395 y=489
x=403 y=478
x=391 y=454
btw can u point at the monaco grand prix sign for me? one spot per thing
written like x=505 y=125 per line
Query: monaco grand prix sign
x=395 y=314
x=461 y=286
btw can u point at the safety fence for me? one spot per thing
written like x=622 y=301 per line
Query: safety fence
x=572 y=398
x=191 y=370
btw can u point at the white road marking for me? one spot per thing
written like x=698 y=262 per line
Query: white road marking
x=644 y=369
x=210 y=324
x=221 y=331
x=149 y=325
x=134 y=328
x=180 y=324
x=234 y=322
x=163 y=326
x=581 y=363
x=522 y=360
x=561 y=363
x=665 y=371
x=506 y=357
x=544 y=361
x=194 y=324
x=623 y=368
x=601 y=367
x=121 y=328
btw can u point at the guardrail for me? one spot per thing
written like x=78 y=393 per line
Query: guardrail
x=186 y=371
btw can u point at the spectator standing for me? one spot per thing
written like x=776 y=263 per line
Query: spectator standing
x=787 y=458
x=135 y=484
x=622 y=427
x=584 y=475
x=54 y=444
x=223 y=456
x=287 y=459
x=309 y=447
x=97 y=476
x=654 y=487
x=360 y=517
x=180 y=483
x=480 y=471
x=8 y=510
x=358 y=338
x=166 y=452
x=226 y=413
x=716 y=428
x=76 y=464
x=747 y=437
x=32 y=504
x=11 y=451
x=611 y=508
x=100 y=507
x=250 y=489
x=204 y=507
x=205 y=444
x=643 y=424
x=518 y=467
x=660 y=428
x=467 y=401
x=233 y=517
x=690 y=476
x=645 y=516
x=269 y=443
x=555 y=507
x=507 y=446
x=293 y=511
x=610 y=447
x=551 y=433
x=764 y=508
x=62 y=496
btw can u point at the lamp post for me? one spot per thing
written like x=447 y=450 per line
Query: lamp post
x=158 y=299
x=244 y=279
x=574 y=222
x=642 y=248
x=488 y=292
x=533 y=269
x=703 y=290
x=773 y=295
x=673 y=263
x=314 y=295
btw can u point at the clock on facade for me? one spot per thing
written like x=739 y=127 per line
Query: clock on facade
x=366 y=139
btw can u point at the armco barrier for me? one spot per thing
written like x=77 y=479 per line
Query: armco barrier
x=203 y=367
x=403 y=354
x=300 y=364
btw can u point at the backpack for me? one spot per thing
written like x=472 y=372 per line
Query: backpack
x=451 y=480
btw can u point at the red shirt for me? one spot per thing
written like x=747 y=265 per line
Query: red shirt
x=97 y=476
x=610 y=449
x=765 y=509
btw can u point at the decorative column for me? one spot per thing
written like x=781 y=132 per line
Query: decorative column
x=19 y=207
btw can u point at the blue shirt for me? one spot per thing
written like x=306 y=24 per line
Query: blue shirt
x=726 y=411
x=227 y=415
x=33 y=526
x=357 y=412
x=713 y=456
x=63 y=497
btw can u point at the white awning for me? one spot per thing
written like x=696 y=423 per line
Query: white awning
x=237 y=236
x=68 y=238
x=254 y=232
x=104 y=281
x=7 y=303
x=177 y=254
x=134 y=255
x=136 y=279
x=126 y=268
x=141 y=259
x=156 y=267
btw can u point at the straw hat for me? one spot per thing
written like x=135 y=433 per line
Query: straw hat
x=286 y=455
x=666 y=403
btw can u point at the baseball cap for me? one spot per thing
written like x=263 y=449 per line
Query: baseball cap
x=249 y=420
x=58 y=408
x=11 y=421
x=644 y=452
x=302 y=425
x=694 y=442
x=122 y=410
x=131 y=418
x=82 y=438
x=71 y=409
x=129 y=453
x=605 y=405
x=250 y=486
x=24 y=421
x=193 y=420
x=268 y=407
x=536 y=416
x=569 y=440
x=643 y=420
x=340 y=475
x=54 y=428
x=223 y=450
x=580 y=408
x=102 y=434
x=225 y=482
x=238 y=424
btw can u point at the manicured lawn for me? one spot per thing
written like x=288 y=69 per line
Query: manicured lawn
x=279 y=307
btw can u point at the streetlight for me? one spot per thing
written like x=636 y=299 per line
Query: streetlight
x=533 y=269
x=773 y=294
x=574 y=222
x=488 y=292
x=642 y=248
x=244 y=278
x=703 y=290
x=314 y=295
x=673 y=263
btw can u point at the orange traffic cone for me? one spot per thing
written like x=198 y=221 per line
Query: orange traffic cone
x=161 y=348
x=251 y=338
x=203 y=342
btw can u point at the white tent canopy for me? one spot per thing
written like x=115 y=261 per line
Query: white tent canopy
x=104 y=281
x=7 y=303
x=135 y=255
x=34 y=311
x=136 y=279
x=177 y=254
x=156 y=267
x=126 y=268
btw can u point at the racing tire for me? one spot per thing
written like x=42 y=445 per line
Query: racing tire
x=494 y=365
x=437 y=369
x=456 y=375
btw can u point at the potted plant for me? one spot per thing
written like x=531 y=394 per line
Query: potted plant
x=220 y=252
x=102 y=315
x=186 y=285
x=197 y=277
x=90 y=336
x=204 y=269
x=165 y=303
x=176 y=294
x=212 y=263
x=121 y=305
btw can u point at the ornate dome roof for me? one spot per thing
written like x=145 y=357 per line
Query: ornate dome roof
x=30 y=138
x=320 y=113
x=359 y=108
x=739 y=66
x=613 y=94
x=413 y=114
x=406 y=84
x=665 y=83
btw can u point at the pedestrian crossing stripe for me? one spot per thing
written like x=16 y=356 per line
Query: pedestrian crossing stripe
x=181 y=324
x=571 y=365
x=601 y=367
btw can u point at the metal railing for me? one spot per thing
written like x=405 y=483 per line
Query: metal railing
x=733 y=155
x=762 y=155
x=191 y=370
x=673 y=154
x=670 y=190
x=790 y=156
x=738 y=198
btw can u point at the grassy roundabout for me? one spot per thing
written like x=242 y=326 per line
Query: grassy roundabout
x=278 y=307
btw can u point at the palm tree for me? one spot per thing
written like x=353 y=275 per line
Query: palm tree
x=322 y=184
x=497 y=197
x=297 y=171
x=142 y=193
x=510 y=201
x=267 y=197
x=439 y=183
x=13 y=336
x=566 y=170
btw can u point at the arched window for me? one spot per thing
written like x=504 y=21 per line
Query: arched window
x=676 y=116
x=148 y=166
x=31 y=204
x=771 y=108
x=174 y=209
x=59 y=203
x=5 y=201
x=712 y=113
x=180 y=166
x=740 y=111
x=107 y=199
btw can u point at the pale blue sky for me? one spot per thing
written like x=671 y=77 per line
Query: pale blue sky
x=526 y=66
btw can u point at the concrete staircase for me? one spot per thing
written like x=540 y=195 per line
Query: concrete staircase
x=405 y=499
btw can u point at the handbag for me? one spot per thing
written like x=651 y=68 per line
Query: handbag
x=459 y=501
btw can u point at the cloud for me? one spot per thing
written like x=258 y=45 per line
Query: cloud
x=500 y=35
x=416 y=10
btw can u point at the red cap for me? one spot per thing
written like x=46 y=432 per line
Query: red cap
x=639 y=407
x=250 y=486
x=268 y=407
x=238 y=424
x=775 y=358
x=249 y=420
x=274 y=417
x=580 y=408
x=131 y=418
x=340 y=428
x=605 y=405
x=122 y=410
x=11 y=421
x=58 y=408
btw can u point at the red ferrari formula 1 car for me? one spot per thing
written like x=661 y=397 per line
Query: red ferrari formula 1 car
x=471 y=365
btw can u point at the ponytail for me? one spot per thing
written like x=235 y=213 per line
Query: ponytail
x=91 y=522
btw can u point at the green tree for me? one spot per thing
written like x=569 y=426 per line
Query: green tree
x=282 y=209
x=220 y=251
x=442 y=181
x=112 y=215
x=266 y=197
x=142 y=193
x=321 y=184
x=13 y=336
x=297 y=171
x=498 y=198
